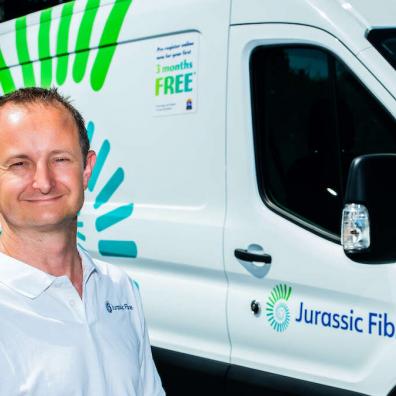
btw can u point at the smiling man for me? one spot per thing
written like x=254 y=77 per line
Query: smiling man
x=70 y=326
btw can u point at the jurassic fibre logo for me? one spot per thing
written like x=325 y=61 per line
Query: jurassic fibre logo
x=278 y=313
x=376 y=323
x=123 y=307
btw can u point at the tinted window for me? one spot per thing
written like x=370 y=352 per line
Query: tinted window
x=364 y=126
x=384 y=40
x=311 y=118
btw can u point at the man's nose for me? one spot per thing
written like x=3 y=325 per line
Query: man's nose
x=43 y=178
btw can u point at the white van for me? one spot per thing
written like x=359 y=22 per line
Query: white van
x=225 y=130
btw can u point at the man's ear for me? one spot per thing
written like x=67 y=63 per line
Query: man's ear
x=90 y=163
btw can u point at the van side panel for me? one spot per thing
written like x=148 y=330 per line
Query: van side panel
x=155 y=204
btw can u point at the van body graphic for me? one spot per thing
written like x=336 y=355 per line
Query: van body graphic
x=278 y=312
x=60 y=60
x=107 y=247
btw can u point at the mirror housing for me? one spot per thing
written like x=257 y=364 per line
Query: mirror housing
x=369 y=216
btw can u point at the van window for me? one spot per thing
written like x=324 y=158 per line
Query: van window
x=384 y=40
x=311 y=117
x=364 y=126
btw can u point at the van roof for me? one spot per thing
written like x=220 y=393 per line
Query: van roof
x=348 y=20
x=367 y=13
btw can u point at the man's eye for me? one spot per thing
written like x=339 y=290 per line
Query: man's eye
x=18 y=164
x=61 y=159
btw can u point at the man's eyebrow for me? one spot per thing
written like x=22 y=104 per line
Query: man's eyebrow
x=20 y=155
x=25 y=156
x=61 y=152
x=4 y=165
x=14 y=156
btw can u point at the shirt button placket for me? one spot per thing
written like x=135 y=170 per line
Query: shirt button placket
x=74 y=302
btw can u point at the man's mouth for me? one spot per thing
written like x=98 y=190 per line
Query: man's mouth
x=46 y=199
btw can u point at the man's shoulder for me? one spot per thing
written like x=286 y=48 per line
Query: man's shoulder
x=118 y=286
x=110 y=272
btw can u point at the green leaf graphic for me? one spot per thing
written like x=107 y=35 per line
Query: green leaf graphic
x=44 y=48
x=63 y=43
x=23 y=52
x=83 y=40
x=104 y=55
x=6 y=81
x=110 y=35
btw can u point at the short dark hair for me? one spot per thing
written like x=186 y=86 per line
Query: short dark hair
x=50 y=96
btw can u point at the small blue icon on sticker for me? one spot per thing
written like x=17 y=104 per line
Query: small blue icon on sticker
x=109 y=307
x=189 y=104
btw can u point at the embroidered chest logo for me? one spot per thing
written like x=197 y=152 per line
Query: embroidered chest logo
x=122 y=307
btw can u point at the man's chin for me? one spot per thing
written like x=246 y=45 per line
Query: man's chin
x=50 y=223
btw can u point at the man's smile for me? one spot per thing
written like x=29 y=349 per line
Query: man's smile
x=44 y=199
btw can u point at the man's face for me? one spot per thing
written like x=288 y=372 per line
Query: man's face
x=42 y=177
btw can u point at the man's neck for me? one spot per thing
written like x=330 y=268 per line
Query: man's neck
x=52 y=252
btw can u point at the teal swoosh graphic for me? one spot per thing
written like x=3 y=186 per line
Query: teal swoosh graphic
x=100 y=161
x=81 y=236
x=118 y=248
x=90 y=130
x=115 y=216
x=110 y=188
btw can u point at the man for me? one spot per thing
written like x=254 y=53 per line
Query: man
x=69 y=325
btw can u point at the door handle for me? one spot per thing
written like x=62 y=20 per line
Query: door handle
x=245 y=255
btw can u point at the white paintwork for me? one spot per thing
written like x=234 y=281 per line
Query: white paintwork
x=174 y=170
x=319 y=272
x=192 y=180
x=174 y=166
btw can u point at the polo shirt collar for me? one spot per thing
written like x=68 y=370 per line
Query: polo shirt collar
x=30 y=281
x=87 y=263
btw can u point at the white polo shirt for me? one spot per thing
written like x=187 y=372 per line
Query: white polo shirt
x=54 y=343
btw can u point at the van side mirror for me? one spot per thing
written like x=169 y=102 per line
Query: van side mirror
x=368 y=232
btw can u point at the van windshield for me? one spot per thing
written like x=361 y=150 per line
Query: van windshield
x=384 y=40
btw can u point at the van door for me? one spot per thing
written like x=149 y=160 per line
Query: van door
x=303 y=318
